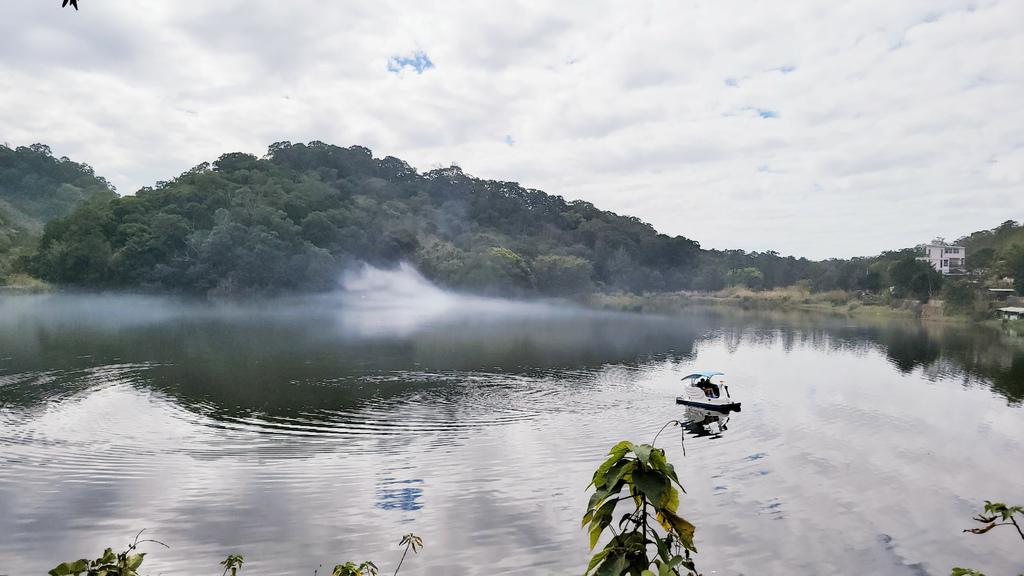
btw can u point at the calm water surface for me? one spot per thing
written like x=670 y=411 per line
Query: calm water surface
x=305 y=433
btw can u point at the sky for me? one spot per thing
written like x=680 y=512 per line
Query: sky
x=818 y=129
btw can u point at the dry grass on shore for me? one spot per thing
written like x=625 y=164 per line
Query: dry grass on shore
x=797 y=297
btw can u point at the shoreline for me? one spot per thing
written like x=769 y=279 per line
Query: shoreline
x=835 y=303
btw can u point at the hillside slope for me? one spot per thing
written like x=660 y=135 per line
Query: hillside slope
x=35 y=188
x=293 y=219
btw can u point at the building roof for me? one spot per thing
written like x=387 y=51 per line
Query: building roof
x=1012 y=310
x=1001 y=290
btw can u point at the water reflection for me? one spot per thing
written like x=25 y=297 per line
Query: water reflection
x=309 y=429
x=394 y=494
x=705 y=423
x=305 y=352
x=975 y=354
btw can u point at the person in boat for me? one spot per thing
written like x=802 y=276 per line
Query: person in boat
x=710 y=390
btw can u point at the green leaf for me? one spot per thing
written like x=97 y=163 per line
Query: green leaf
x=617 y=453
x=597 y=559
x=662 y=548
x=667 y=570
x=619 y=473
x=613 y=567
x=671 y=501
x=601 y=493
x=683 y=528
x=652 y=484
x=597 y=528
x=135 y=560
x=64 y=568
x=643 y=452
x=671 y=471
x=647 y=573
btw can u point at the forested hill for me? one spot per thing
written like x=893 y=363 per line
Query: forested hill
x=294 y=219
x=289 y=222
x=35 y=188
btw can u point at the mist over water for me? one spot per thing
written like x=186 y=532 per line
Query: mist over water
x=307 y=431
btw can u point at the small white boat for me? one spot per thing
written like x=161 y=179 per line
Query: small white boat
x=702 y=392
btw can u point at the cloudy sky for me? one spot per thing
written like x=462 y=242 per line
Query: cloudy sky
x=818 y=129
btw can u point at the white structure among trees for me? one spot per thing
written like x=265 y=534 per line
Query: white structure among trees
x=948 y=259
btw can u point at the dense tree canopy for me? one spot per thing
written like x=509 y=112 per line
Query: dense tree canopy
x=291 y=220
x=35 y=187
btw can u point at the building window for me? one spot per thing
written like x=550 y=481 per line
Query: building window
x=945 y=263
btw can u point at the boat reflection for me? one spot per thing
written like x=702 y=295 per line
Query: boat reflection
x=701 y=423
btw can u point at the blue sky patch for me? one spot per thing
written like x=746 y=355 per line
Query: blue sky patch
x=730 y=82
x=510 y=140
x=419 y=61
x=767 y=113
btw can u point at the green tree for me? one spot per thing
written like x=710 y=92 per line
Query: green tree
x=914 y=278
x=750 y=278
x=982 y=258
x=959 y=295
x=1013 y=267
x=499 y=268
x=562 y=274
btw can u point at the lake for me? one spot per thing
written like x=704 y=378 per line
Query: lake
x=306 y=432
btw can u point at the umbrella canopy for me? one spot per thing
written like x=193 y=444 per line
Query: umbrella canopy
x=703 y=374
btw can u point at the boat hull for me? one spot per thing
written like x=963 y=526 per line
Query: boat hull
x=723 y=407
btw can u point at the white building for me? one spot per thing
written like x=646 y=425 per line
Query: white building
x=944 y=257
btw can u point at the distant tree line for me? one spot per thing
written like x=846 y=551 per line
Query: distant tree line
x=291 y=220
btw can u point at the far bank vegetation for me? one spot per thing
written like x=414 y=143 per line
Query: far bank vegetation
x=291 y=221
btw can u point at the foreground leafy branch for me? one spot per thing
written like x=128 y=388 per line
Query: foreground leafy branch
x=639 y=475
x=233 y=563
x=998 y=511
x=995 y=514
x=110 y=564
x=127 y=564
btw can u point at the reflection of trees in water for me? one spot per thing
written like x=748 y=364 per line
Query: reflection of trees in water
x=967 y=351
x=225 y=365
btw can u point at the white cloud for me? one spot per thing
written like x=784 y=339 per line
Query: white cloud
x=894 y=122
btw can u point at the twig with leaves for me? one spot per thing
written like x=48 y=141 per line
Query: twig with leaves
x=233 y=563
x=994 y=512
x=123 y=564
x=410 y=540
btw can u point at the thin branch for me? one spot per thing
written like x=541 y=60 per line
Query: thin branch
x=1017 y=526
x=676 y=422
